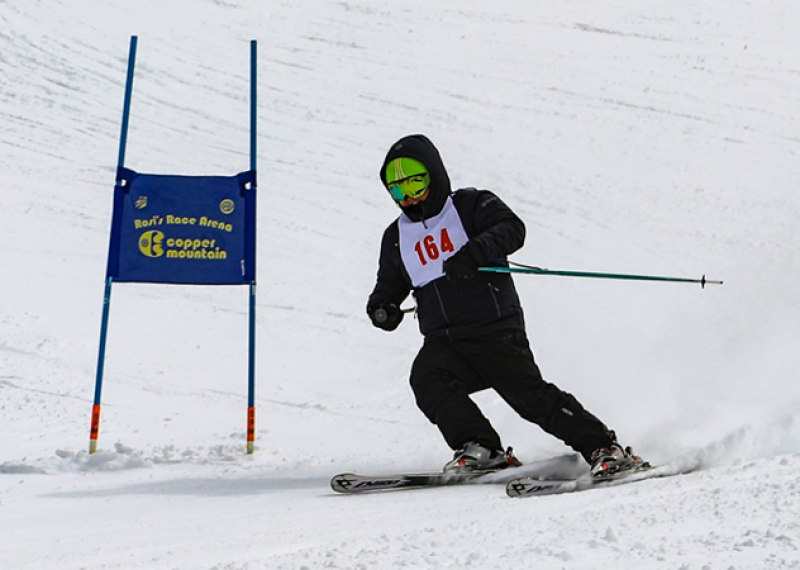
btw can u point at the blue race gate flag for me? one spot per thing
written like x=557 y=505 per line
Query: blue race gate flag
x=183 y=229
x=193 y=230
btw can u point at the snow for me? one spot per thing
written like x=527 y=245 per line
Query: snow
x=632 y=137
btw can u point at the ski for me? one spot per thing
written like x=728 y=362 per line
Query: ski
x=534 y=487
x=352 y=483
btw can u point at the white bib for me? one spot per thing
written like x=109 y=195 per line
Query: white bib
x=424 y=247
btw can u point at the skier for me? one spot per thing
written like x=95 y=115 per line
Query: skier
x=472 y=321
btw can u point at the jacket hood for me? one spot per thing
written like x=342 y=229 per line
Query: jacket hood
x=421 y=148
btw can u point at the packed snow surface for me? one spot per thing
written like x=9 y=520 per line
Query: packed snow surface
x=632 y=137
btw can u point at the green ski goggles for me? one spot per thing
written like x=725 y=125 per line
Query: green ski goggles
x=412 y=187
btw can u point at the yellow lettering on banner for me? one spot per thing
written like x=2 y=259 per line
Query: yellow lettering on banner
x=209 y=223
x=191 y=243
x=154 y=221
x=217 y=254
x=180 y=220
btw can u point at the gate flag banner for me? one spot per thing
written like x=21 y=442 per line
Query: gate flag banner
x=197 y=230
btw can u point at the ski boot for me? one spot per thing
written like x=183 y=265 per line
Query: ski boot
x=613 y=459
x=475 y=457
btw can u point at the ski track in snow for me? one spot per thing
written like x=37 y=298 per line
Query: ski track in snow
x=629 y=139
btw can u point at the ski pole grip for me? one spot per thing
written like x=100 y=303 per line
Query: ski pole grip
x=380 y=315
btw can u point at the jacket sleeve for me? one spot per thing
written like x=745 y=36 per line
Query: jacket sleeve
x=393 y=285
x=497 y=230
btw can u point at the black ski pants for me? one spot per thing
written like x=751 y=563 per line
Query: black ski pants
x=446 y=372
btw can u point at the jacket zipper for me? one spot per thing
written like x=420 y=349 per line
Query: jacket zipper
x=441 y=306
x=493 y=290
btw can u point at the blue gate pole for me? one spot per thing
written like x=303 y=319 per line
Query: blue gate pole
x=98 y=387
x=251 y=368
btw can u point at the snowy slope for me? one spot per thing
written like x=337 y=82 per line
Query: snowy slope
x=632 y=137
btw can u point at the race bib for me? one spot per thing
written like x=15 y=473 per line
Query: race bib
x=424 y=247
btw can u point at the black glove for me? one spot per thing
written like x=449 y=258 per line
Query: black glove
x=385 y=316
x=462 y=265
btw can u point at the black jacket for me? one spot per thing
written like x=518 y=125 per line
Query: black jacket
x=458 y=309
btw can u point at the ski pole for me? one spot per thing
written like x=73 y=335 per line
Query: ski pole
x=540 y=271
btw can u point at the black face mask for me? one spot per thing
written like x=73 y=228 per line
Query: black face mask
x=415 y=212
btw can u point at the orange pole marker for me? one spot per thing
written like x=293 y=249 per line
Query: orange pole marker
x=95 y=428
x=251 y=429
